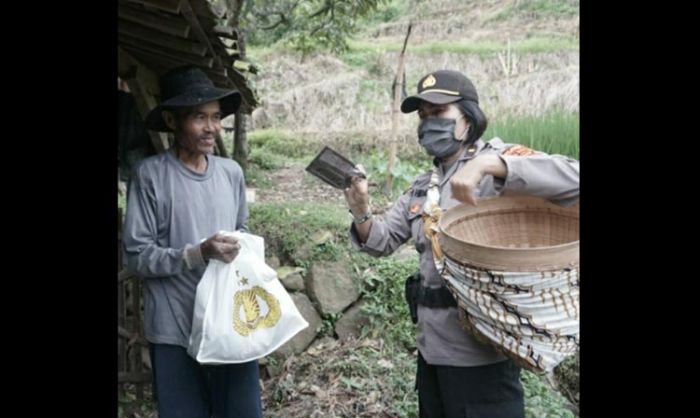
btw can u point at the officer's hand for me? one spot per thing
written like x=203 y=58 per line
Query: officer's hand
x=357 y=195
x=220 y=247
x=465 y=181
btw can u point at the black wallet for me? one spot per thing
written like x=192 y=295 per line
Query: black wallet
x=333 y=168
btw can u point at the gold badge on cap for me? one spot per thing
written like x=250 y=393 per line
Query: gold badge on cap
x=429 y=81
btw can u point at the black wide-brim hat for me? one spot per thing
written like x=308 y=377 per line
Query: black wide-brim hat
x=186 y=87
x=441 y=87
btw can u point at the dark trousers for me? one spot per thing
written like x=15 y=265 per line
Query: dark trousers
x=491 y=391
x=184 y=388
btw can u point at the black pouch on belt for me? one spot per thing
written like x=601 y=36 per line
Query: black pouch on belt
x=412 y=289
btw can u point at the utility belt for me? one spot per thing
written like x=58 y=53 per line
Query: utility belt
x=416 y=294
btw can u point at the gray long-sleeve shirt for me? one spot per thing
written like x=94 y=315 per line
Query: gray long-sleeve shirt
x=170 y=207
x=441 y=340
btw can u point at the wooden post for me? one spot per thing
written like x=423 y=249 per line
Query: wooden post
x=143 y=84
x=121 y=345
x=240 y=140
x=135 y=348
x=220 y=146
x=398 y=82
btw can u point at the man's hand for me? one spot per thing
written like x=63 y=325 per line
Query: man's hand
x=466 y=180
x=220 y=247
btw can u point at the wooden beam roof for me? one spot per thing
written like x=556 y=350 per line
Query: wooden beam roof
x=162 y=34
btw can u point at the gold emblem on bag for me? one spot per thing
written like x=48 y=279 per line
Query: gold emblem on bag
x=250 y=300
x=429 y=81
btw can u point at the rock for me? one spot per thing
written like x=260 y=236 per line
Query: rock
x=330 y=285
x=302 y=340
x=350 y=324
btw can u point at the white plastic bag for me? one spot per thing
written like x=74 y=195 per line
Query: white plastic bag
x=241 y=310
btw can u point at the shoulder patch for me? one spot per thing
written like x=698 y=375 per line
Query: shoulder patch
x=518 y=150
x=415 y=208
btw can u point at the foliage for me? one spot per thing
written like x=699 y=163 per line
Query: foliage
x=305 y=26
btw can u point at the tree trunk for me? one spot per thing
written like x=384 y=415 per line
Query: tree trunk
x=234 y=8
x=240 y=142
x=240 y=138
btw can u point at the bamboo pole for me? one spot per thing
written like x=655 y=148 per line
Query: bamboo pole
x=398 y=83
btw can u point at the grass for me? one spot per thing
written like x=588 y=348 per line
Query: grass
x=361 y=52
x=255 y=177
x=404 y=172
x=267 y=160
x=279 y=142
x=537 y=9
x=554 y=133
x=294 y=231
x=531 y=45
x=541 y=401
x=382 y=291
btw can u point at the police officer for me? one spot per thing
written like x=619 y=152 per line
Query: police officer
x=457 y=376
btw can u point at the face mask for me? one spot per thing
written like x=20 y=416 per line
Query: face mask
x=437 y=136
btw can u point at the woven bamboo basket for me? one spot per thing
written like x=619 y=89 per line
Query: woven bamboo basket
x=518 y=233
x=526 y=306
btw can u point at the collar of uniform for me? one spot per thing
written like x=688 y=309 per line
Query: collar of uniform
x=468 y=153
x=471 y=151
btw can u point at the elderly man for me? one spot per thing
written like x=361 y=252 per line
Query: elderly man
x=177 y=202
